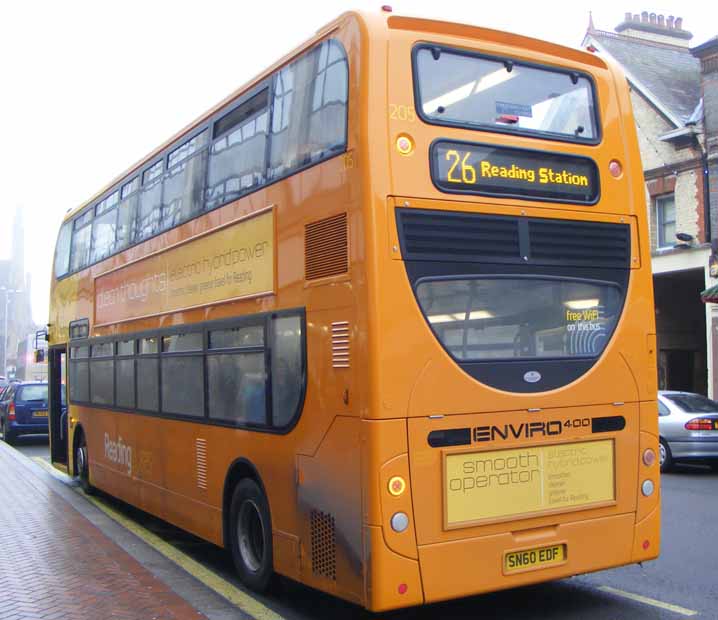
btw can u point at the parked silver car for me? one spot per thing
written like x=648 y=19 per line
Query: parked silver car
x=688 y=427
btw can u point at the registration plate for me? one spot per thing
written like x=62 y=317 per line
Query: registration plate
x=539 y=557
x=39 y=414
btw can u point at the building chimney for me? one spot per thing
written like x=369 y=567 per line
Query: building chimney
x=650 y=26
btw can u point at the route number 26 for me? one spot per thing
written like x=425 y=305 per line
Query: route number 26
x=468 y=172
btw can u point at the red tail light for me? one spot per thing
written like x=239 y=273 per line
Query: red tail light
x=11 y=412
x=700 y=424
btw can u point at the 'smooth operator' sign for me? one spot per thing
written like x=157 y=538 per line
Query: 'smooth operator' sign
x=524 y=481
x=234 y=262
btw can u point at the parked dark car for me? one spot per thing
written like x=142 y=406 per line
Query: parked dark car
x=24 y=411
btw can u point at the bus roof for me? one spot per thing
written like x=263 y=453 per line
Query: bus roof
x=373 y=22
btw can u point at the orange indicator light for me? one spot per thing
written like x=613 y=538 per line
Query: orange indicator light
x=405 y=145
x=397 y=486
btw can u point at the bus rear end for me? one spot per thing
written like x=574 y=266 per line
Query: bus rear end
x=512 y=436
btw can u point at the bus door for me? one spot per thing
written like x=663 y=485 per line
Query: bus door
x=57 y=367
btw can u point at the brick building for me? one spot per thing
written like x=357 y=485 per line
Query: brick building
x=674 y=91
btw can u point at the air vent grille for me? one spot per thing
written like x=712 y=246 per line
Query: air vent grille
x=200 y=448
x=591 y=243
x=443 y=235
x=340 y=344
x=326 y=248
x=447 y=236
x=324 y=542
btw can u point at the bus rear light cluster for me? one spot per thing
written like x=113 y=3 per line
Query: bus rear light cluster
x=399 y=522
x=649 y=457
x=647 y=488
x=397 y=486
x=700 y=424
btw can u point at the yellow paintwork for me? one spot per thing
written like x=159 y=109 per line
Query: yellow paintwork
x=365 y=424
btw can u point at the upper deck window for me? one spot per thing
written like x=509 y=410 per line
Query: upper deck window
x=460 y=88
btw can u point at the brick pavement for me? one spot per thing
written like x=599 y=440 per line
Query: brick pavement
x=55 y=564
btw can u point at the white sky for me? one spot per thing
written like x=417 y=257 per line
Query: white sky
x=88 y=87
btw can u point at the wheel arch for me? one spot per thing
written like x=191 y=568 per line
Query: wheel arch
x=77 y=435
x=240 y=469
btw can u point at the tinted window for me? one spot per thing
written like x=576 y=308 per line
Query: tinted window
x=125 y=378
x=236 y=337
x=183 y=385
x=148 y=396
x=662 y=409
x=238 y=156
x=464 y=89
x=103 y=349
x=693 y=403
x=79 y=381
x=148 y=216
x=183 y=185
x=62 y=250
x=149 y=345
x=176 y=343
x=80 y=256
x=103 y=235
x=102 y=382
x=237 y=387
x=126 y=347
x=287 y=369
x=309 y=115
x=520 y=318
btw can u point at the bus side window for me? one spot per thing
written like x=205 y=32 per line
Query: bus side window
x=309 y=109
x=62 y=250
x=79 y=374
x=287 y=369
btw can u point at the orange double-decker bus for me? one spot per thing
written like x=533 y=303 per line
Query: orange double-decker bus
x=380 y=322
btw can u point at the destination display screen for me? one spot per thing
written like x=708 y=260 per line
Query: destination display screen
x=489 y=170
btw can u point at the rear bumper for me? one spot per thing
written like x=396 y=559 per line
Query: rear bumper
x=477 y=564
x=40 y=428
x=695 y=449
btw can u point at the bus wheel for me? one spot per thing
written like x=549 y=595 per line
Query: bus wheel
x=665 y=458
x=83 y=467
x=251 y=532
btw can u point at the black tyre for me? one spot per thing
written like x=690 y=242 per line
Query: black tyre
x=665 y=458
x=251 y=535
x=8 y=436
x=82 y=465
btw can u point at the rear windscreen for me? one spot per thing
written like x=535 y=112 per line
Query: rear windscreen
x=32 y=393
x=492 y=318
x=693 y=403
x=461 y=88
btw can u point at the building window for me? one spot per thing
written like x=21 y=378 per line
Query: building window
x=666 y=220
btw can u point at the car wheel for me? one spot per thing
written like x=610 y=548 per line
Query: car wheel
x=8 y=436
x=83 y=466
x=251 y=535
x=664 y=456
